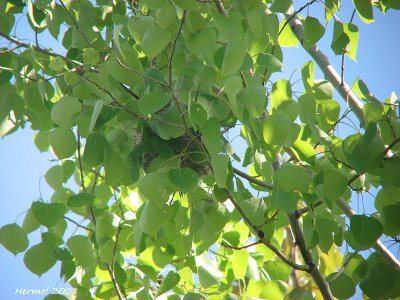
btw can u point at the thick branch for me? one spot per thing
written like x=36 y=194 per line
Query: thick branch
x=319 y=280
x=379 y=247
x=262 y=238
x=329 y=71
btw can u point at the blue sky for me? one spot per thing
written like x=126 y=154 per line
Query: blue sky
x=22 y=166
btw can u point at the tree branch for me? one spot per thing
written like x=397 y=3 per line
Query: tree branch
x=343 y=267
x=319 y=280
x=262 y=238
x=76 y=24
x=173 y=49
x=77 y=224
x=379 y=247
x=44 y=51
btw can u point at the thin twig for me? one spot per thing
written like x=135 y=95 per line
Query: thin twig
x=76 y=24
x=342 y=268
x=253 y=180
x=304 y=210
x=77 y=224
x=138 y=73
x=240 y=248
x=173 y=49
x=262 y=238
x=44 y=51
x=115 y=284
x=391 y=146
x=80 y=161
x=294 y=15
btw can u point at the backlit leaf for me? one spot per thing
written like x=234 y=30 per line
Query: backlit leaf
x=37 y=260
x=220 y=167
x=48 y=214
x=240 y=260
x=63 y=142
x=169 y=281
x=13 y=238
x=82 y=249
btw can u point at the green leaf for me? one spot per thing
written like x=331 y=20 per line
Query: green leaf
x=276 y=128
x=313 y=32
x=63 y=142
x=37 y=260
x=269 y=60
x=94 y=149
x=255 y=209
x=170 y=280
x=351 y=31
x=342 y=287
x=274 y=290
x=323 y=90
x=48 y=214
x=365 y=229
x=30 y=223
x=71 y=77
x=197 y=114
x=153 y=187
x=202 y=43
x=41 y=139
x=138 y=25
x=233 y=57
x=153 y=102
x=277 y=270
x=154 y=40
x=305 y=151
x=220 y=167
x=81 y=199
x=335 y=184
x=167 y=131
x=98 y=106
x=82 y=249
x=55 y=177
x=281 y=6
x=211 y=136
x=57 y=64
x=287 y=38
x=340 y=40
x=283 y=201
x=292 y=177
x=153 y=217
x=240 y=259
x=390 y=218
x=68 y=167
x=307 y=105
x=183 y=179
x=13 y=238
x=193 y=296
x=373 y=112
x=319 y=134
x=307 y=74
x=377 y=282
x=90 y=56
x=364 y=9
x=62 y=254
x=64 y=109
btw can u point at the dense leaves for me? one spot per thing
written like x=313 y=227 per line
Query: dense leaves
x=144 y=108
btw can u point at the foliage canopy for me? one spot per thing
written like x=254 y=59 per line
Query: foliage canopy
x=137 y=111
